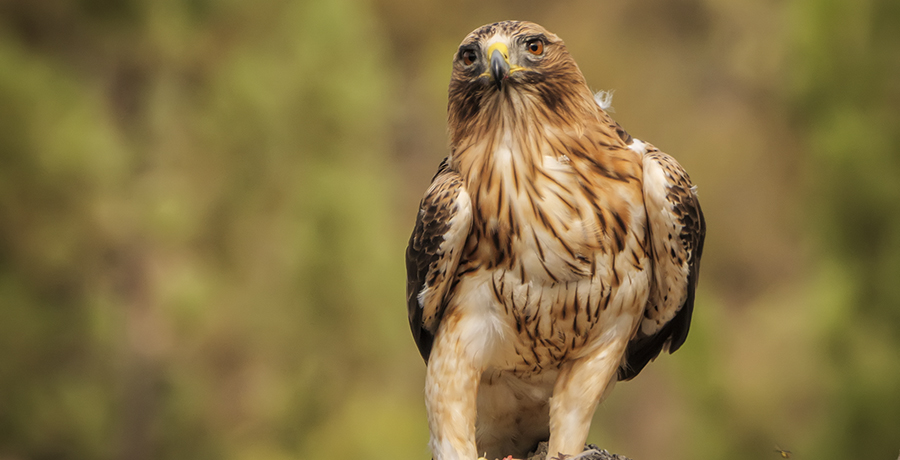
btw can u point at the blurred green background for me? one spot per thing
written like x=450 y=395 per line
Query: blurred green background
x=204 y=206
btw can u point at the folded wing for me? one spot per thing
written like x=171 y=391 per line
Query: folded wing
x=438 y=239
x=677 y=230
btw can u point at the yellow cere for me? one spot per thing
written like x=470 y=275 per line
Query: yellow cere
x=498 y=46
x=504 y=51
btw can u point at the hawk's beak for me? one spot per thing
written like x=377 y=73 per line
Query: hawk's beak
x=499 y=54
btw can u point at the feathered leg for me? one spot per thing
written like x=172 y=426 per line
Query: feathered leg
x=578 y=390
x=451 y=389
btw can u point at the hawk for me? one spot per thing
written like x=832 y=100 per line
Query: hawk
x=552 y=255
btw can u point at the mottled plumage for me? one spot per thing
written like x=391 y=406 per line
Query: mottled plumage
x=553 y=254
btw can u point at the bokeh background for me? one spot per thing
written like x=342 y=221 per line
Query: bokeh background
x=204 y=206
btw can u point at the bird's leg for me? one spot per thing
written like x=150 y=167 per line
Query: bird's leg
x=451 y=388
x=578 y=389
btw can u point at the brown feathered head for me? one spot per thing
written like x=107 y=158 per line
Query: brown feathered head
x=510 y=68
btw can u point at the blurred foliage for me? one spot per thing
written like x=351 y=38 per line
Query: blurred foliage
x=846 y=101
x=204 y=206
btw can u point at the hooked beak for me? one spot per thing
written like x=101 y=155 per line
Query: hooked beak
x=499 y=55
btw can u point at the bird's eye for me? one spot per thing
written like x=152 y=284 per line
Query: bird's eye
x=469 y=57
x=535 y=46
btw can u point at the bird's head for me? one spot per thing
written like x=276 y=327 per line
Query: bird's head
x=513 y=67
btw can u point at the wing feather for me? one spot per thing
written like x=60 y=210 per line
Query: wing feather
x=438 y=239
x=677 y=229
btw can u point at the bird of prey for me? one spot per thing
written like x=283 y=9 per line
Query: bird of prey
x=552 y=255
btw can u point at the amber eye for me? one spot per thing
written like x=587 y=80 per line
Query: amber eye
x=469 y=57
x=535 y=47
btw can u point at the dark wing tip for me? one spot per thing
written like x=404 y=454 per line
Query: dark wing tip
x=645 y=349
x=414 y=284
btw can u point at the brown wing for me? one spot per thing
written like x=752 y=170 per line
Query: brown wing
x=438 y=239
x=677 y=230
